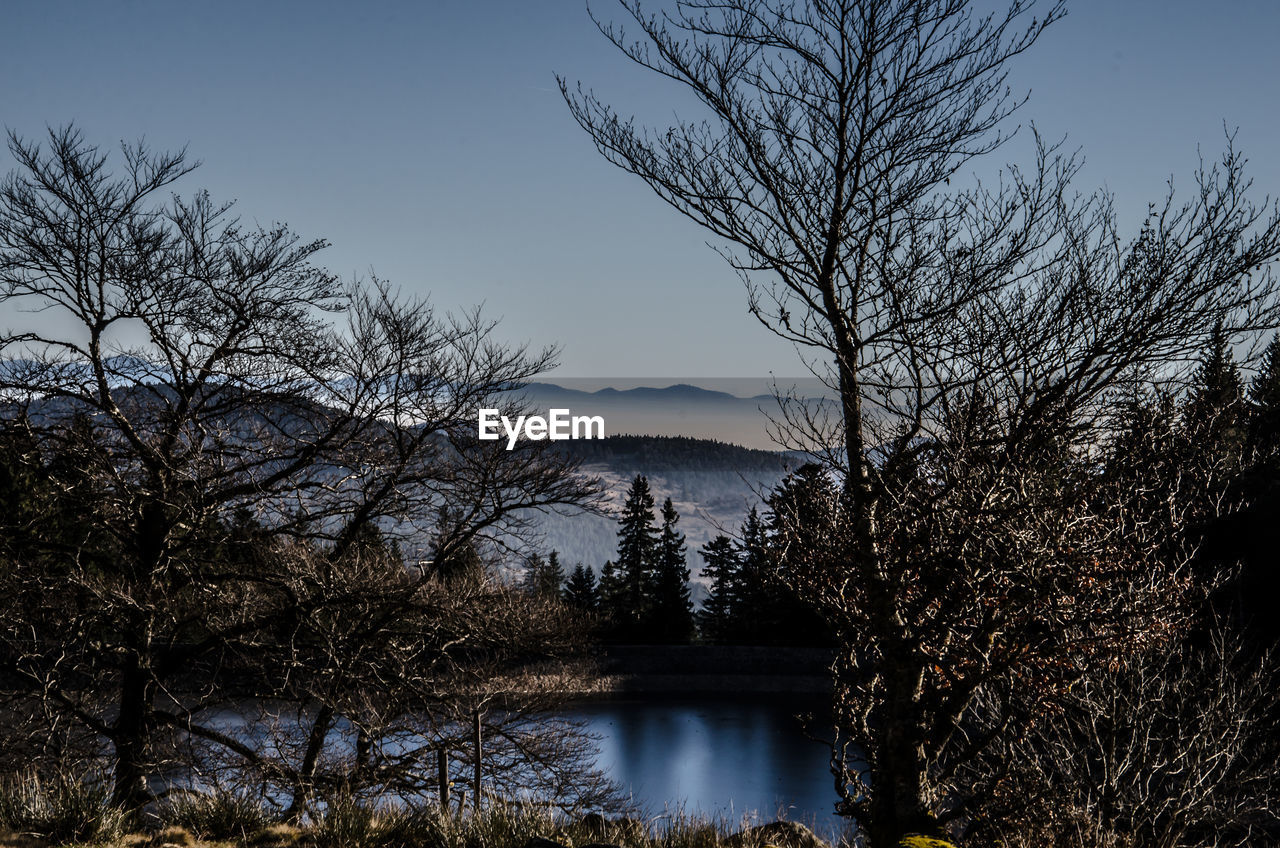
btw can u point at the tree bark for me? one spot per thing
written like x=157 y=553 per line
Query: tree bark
x=129 y=738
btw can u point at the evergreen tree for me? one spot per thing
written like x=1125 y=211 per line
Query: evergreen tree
x=580 y=591
x=533 y=573
x=1215 y=446
x=1224 y=480
x=553 y=576
x=453 y=556
x=1253 y=535
x=609 y=593
x=1146 y=457
x=670 y=619
x=722 y=569
x=544 y=577
x=1215 y=414
x=753 y=611
x=802 y=517
x=1264 y=393
x=630 y=581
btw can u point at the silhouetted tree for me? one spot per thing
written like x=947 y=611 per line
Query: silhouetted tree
x=627 y=582
x=1216 y=414
x=802 y=511
x=580 y=590
x=544 y=577
x=753 y=614
x=200 y=370
x=1264 y=395
x=670 y=619
x=829 y=137
x=721 y=567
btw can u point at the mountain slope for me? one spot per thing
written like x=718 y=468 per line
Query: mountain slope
x=711 y=484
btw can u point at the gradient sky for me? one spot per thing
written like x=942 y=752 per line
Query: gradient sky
x=428 y=143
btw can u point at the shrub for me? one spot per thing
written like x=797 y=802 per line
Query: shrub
x=61 y=809
x=217 y=815
x=350 y=824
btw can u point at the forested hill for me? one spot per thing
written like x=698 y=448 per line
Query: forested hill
x=655 y=454
x=711 y=484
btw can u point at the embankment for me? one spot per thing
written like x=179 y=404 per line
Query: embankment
x=672 y=669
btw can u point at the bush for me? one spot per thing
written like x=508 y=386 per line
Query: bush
x=217 y=815
x=61 y=809
x=350 y=824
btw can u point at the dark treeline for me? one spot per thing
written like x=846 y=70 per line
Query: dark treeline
x=642 y=595
x=1215 y=445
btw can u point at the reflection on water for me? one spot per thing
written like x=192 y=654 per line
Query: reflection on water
x=728 y=756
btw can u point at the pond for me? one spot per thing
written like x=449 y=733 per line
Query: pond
x=727 y=757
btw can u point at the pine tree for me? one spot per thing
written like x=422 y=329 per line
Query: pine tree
x=609 y=593
x=670 y=619
x=750 y=623
x=544 y=577
x=1216 y=411
x=631 y=579
x=580 y=591
x=1256 y=536
x=553 y=575
x=1264 y=393
x=802 y=516
x=1146 y=454
x=532 y=573
x=451 y=559
x=722 y=569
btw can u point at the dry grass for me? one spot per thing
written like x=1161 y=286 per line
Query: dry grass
x=225 y=821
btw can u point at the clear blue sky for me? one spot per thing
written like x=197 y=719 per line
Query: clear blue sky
x=428 y=143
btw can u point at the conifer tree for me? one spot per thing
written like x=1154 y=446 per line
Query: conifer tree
x=722 y=569
x=1216 y=410
x=629 y=596
x=544 y=577
x=802 y=511
x=1264 y=393
x=609 y=593
x=751 y=614
x=553 y=576
x=671 y=612
x=580 y=590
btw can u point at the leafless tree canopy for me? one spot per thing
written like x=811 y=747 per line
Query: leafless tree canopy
x=977 y=336
x=238 y=456
x=1176 y=748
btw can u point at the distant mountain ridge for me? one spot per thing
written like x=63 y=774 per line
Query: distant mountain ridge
x=684 y=391
x=680 y=409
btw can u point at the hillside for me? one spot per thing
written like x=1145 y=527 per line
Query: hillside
x=712 y=485
x=675 y=410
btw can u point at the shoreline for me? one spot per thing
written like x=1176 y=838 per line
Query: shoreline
x=710 y=669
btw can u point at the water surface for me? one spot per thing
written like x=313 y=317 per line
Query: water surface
x=720 y=756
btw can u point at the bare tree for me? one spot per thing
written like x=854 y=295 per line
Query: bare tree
x=385 y=676
x=1173 y=749
x=973 y=337
x=222 y=425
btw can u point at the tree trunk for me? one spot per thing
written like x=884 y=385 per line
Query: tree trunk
x=477 y=741
x=129 y=738
x=899 y=778
x=302 y=785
